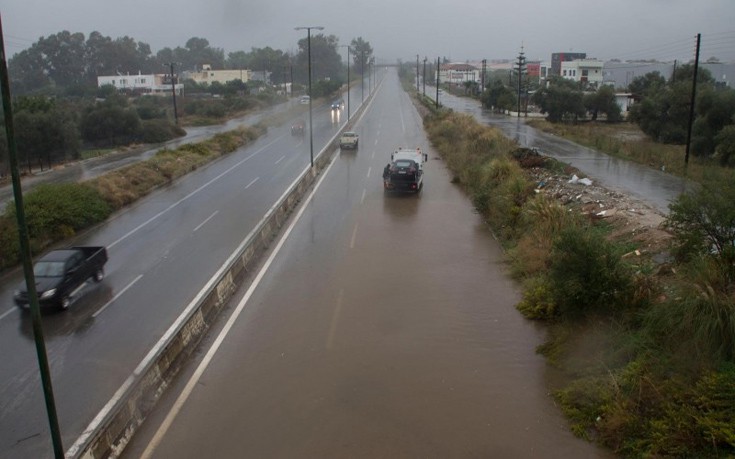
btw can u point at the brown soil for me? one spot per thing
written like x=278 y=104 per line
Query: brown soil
x=631 y=220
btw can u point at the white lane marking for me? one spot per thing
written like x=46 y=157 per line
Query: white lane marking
x=354 y=236
x=368 y=172
x=403 y=124
x=7 y=313
x=137 y=228
x=193 y=381
x=280 y=159
x=251 y=182
x=205 y=221
x=335 y=319
x=362 y=199
x=99 y=311
x=373 y=155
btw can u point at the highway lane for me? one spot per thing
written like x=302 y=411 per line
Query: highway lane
x=162 y=251
x=383 y=326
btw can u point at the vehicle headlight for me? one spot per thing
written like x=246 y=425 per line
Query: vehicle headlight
x=16 y=293
x=48 y=294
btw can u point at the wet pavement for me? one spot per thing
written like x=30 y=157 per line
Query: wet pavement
x=384 y=327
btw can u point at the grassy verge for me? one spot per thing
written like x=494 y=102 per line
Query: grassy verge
x=56 y=212
x=647 y=349
x=626 y=140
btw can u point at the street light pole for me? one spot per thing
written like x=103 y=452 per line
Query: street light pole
x=348 y=82
x=362 y=75
x=311 y=133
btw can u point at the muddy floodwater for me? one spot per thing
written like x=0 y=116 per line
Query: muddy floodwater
x=385 y=327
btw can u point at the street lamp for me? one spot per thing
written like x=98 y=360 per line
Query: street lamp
x=348 y=80
x=308 y=42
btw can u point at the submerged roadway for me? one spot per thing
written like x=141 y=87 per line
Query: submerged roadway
x=380 y=325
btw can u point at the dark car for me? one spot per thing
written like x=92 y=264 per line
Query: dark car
x=60 y=274
x=297 y=128
x=338 y=104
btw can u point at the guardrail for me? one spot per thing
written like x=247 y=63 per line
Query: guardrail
x=112 y=429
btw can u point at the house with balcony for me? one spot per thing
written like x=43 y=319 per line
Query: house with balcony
x=586 y=71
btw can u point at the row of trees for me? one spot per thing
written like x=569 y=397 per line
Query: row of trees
x=661 y=108
x=68 y=64
x=663 y=112
x=59 y=110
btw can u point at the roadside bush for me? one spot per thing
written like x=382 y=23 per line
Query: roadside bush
x=9 y=242
x=587 y=273
x=698 y=322
x=159 y=130
x=538 y=301
x=57 y=211
x=703 y=223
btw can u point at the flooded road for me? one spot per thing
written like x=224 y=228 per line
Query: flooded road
x=385 y=326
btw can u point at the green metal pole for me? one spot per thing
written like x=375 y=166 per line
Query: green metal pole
x=25 y=249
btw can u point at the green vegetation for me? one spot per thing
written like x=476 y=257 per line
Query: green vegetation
x=57 y=212
x=648 y=349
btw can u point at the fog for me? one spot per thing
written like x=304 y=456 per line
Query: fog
x=456 y=29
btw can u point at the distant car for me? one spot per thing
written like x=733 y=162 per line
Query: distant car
x=297 y=128
x=304 y=100
x=338 y=104
x=349 y=139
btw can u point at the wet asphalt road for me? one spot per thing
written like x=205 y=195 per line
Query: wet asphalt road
x=651 y=186
x=162 y=251
x=384 y=326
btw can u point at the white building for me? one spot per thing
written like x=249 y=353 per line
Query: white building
x=157 y=84
x=458 y=73
x=583 y=70
x=209 y=76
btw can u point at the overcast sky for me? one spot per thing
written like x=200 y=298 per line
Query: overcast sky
x=398 y=29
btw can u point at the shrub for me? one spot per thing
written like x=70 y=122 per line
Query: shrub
x=538 y=302
x=698 y=322
x=587 y=273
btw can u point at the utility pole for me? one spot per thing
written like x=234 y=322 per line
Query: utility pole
x=691 y=104
x=436 y=100
x=173 y=93
x=25 y=254
x=417 y=73
x=424 y=75
x=482 y=78
x=521 y=67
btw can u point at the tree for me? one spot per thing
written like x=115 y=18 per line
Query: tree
x=726 y=145
x=646 y=84
x=362 y=52
x=46 y=131
x=325 y=60
x=603 y=101
x=560 y=100
x=715 y=109
x=111 y=122
x=498 y=96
